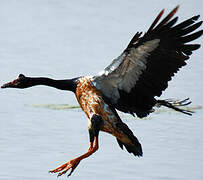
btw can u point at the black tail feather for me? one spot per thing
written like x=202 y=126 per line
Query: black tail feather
x=134 y=147
x=175 y=104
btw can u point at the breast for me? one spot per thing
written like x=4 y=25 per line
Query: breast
x=91 y=102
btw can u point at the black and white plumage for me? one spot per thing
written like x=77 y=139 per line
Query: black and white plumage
x=131 y=82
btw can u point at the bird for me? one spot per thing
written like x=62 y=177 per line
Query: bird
x=130 y=84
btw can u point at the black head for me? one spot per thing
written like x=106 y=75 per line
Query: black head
x=21 y=82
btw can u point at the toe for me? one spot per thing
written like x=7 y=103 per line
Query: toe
x=72 y=164
x=60 y=168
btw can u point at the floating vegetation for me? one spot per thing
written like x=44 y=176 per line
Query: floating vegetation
x=55 y=106
x=68 y=107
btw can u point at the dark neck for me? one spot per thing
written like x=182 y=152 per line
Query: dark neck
x=67 y=84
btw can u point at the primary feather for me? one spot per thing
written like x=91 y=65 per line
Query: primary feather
x=130 y=83
x=143 y=70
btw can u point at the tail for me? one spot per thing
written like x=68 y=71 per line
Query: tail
x=175 y=104
x=135 y=147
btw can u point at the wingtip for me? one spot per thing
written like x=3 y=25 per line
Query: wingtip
x=176 y=8
x=165 y=19
x=197 y=17
x=162 y=11
x=156 y=20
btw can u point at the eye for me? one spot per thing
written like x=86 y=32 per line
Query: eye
x=15 y=82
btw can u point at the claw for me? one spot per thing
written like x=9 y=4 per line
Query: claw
x=61 y=173
x=60 y=168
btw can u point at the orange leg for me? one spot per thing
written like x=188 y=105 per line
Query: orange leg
x=91 y=146
x=72 y=164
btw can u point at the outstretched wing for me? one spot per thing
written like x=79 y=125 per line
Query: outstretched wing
x=143 y=70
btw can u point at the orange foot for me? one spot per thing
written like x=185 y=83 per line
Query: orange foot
x=72 y=164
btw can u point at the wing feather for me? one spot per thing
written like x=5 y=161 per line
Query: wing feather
x=143 y=70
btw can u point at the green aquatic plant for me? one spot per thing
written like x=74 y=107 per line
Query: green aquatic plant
x=56 y=106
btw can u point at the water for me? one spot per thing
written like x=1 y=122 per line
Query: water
x=64 y=39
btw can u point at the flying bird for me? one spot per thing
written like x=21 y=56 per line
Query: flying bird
x=129 y=84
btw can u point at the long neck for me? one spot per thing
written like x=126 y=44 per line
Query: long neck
x=67 y=84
